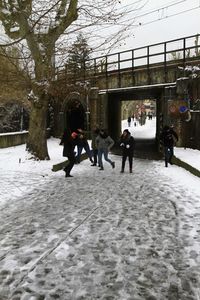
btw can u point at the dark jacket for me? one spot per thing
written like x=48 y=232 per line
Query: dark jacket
x=167 y=136
x=69 y=144
x=81 y=139
x=128 y=144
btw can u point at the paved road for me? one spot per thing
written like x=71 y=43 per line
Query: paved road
x=101 y=235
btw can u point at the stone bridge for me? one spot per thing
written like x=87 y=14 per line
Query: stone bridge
x=157 y=72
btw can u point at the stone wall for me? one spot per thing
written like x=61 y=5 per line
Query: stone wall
x=13 y=139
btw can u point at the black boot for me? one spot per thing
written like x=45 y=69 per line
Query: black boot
x=68 y=175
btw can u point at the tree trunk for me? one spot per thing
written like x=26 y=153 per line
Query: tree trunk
x=37 y=141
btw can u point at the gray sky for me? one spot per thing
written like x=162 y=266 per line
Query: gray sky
x=164 y=20
x=148 y=22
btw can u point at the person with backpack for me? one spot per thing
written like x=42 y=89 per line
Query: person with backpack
x=168 y=137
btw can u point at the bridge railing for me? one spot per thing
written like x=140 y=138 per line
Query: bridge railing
x=177 y=52
x=180 y=51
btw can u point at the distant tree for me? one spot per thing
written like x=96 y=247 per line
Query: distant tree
x=78 y=55
x=176 y=55
x=197 y=48
x=12 y=77
x=43 y=28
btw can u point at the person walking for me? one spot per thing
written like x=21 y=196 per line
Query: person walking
x=95 y=133
x=129 y=121
x=127 y=142
x=104 y=143
x=168 y=137
x=69 y=142
x=82 y=143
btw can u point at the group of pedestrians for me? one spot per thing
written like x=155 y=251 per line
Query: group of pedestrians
x=102 y=144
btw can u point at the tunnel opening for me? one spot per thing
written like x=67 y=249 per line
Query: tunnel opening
x=144 y=108
x=139 y=117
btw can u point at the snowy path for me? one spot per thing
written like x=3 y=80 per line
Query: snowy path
x=102 y=235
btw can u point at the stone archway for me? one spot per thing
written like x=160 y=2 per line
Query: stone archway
x=74 y=112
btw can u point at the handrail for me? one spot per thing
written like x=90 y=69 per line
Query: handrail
x=130 y=59
x=151 y=45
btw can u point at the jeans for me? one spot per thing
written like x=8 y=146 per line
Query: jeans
x=102 y=152
x=169 y=152
x=130 y=158
x=95 y=155
x=86 y=147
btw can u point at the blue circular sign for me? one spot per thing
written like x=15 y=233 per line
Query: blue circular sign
x=183 y=109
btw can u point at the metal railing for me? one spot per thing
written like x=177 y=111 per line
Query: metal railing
x=177 y=51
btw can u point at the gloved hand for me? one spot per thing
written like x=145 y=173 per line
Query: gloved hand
x=127 y=146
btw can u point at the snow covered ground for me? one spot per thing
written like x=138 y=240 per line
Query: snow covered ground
x=99 y=235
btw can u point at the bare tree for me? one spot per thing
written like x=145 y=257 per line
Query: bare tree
x=12 y=78
x=43 y=28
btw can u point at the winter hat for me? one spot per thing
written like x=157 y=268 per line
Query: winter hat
x=127 y=131
x=74 y=135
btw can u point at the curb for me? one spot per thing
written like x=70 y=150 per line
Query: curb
x=177 y=161
x=61 y=165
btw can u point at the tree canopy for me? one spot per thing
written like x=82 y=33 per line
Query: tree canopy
x=44 y=30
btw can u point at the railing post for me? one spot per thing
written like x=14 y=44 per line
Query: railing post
x=95 y=67
x=106 y=65
x=148 y=67
x=184 y=50
x=165 y=62
x=133 y=77
x=95 y=71
x=119 y=71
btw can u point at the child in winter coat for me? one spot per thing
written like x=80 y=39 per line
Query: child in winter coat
x=127 y=142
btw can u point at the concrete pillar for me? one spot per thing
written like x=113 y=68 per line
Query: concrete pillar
x=93 y=100
x=103 y=110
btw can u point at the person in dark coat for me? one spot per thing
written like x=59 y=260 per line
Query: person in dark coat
x=168 y=138
x=127 y=142
x=129 y=121
x=69 y=142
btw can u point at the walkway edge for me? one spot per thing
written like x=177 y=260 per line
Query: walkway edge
x=61 y=165
x=177 y=161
